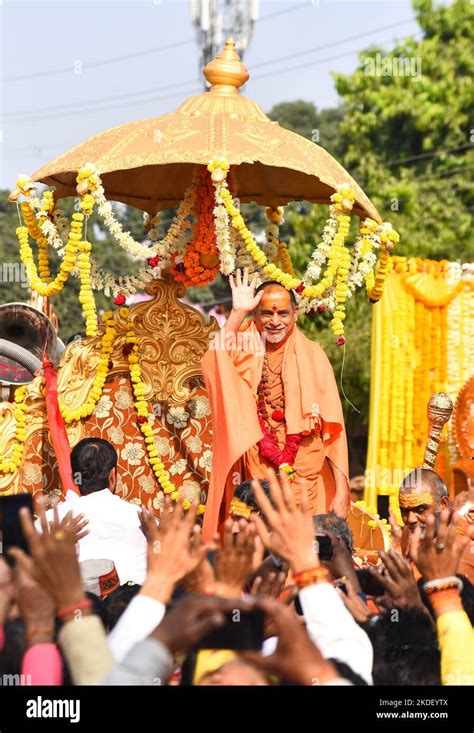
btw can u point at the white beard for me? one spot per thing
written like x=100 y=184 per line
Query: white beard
x=274 y=337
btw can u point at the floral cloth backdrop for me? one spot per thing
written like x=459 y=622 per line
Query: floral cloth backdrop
x=183 y=438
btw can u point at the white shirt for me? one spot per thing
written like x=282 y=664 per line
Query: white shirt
x=142 y=615
x=333 y=630
x=114 y=532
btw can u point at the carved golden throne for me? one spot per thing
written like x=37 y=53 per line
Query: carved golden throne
x=172 y=339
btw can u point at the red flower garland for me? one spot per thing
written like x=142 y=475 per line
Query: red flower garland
x=268 y=446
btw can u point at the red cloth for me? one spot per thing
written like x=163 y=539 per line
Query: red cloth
x=42 y=665
x=57 y=429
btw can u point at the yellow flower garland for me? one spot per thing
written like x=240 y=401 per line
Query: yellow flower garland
x=102 y=370
x=85 y=295
x=141 y=407
x=13 y=462
x=339 y=259
x=67 y=263
x=40 y=278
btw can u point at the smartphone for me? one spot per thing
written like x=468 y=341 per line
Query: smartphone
x=242 y=631
x=325 y=550
x=10 y=527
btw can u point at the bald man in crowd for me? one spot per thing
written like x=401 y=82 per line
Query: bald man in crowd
x=422 y=492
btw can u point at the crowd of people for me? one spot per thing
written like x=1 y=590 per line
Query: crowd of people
x=109 y=595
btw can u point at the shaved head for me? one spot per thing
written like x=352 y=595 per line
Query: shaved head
x=424 y=480
x=422 y=492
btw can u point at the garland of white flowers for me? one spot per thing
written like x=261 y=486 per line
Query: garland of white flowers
x=364 y=257
x=148 y=248
x=126 y=285
x=272 y=233
x=221 y=224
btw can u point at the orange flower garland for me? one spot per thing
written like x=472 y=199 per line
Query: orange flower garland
x=200 y=264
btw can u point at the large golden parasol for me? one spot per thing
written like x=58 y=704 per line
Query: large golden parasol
x=149 y=163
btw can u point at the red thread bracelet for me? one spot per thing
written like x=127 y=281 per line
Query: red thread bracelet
x=86 y=603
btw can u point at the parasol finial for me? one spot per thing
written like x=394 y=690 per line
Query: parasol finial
x=226 y=73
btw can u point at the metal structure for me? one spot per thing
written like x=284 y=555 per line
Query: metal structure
x=216 y=20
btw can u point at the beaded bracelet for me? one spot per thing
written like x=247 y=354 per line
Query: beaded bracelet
x=312 y=577
x=431 y=586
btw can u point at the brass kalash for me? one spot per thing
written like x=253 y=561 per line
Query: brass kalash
x=149 y=164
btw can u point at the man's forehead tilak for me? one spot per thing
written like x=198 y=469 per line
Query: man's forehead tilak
x=413 y=496
x=275 y=298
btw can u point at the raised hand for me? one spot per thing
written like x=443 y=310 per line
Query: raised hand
x=193 y=617
x=202 y=578
x=439 y=553
x=55 y=567
x=353 y=602
x=292 y=529
x=7 y=593
x=296 y=659
x=235 y=560
x=36 y=605
x=401 y=590
x=171 y=554
x=244 y=299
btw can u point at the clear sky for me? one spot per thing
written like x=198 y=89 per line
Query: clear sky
x=56 y=91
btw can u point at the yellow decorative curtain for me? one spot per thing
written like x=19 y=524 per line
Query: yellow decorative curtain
x=422 y=343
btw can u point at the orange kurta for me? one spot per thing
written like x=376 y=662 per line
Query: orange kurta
x=312 y=407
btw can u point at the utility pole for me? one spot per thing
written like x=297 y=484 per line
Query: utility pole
x=216 y=20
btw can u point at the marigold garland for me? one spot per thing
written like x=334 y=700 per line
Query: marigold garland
x=47 y=289
x=102 y=369
x=144 y=417
x=200 y=263
x=13 y=461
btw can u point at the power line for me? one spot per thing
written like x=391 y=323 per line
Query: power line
x=310 y=63
x=331 y=45
x=80 y=105
x=136 y=54
x=107 y=107
x=422 y=156
x=97 y=64
x=446 y=173
x=283 y=12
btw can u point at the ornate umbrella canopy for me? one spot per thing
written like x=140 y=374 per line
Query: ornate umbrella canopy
x=149 y=163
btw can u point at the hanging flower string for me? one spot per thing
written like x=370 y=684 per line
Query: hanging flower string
x=208 y=234
x=47 y=289
x=145 y=418
x=101 y=372
x=13 y=461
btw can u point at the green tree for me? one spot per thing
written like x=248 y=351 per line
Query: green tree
x=415 y=102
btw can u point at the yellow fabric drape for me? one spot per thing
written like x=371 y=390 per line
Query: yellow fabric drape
x=422 y=343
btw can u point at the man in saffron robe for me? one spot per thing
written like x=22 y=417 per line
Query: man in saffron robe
x=274 y=403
